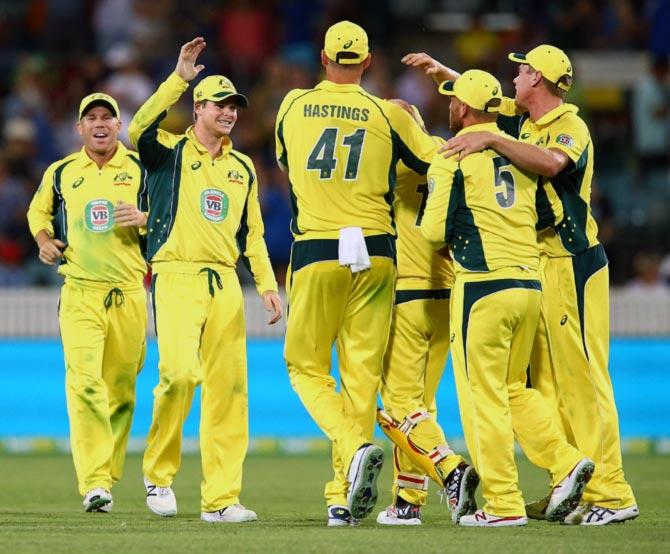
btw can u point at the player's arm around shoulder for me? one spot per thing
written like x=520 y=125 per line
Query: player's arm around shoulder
x=415 y=146
x=443 y=176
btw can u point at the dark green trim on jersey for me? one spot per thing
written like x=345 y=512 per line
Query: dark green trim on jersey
x=584 y=266
x=306 y=252
x=568 y=184
x=163 y=185
x=295 y=228
x=475 y=291
x=511 y=124
x=545 y=213
x=59 y=207
x=154 y=278
x=152 y=153
x=460 y=230
x=142 y=201
x=243 y=231
x=402 y=296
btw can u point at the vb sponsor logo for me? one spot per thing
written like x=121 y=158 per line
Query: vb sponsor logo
x=99 y=216
x=214 y=205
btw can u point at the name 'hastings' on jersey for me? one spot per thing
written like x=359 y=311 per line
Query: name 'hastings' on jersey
x=332 y=110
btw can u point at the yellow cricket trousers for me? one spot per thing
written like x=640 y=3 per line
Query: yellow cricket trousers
x=494 y=316
x=103 y=328
x=327 y=304
x=569 y=366
x=413 y=365
x=201 y=339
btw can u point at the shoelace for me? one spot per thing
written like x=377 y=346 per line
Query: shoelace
x=449 y=493
x=406 y=512
x=211 y=277
x=114 y=296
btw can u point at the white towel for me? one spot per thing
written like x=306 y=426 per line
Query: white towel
x=352 y=250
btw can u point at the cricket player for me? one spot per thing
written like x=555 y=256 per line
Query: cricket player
x=483 y=208
x=204 y=213
x=416 y=357
x=340 y=146
x=569 y=363
x=88 y=216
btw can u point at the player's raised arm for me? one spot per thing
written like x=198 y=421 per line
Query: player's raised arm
x=430 y=66
x=152 y=143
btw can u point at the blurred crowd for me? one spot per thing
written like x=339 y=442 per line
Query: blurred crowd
x=54 y=52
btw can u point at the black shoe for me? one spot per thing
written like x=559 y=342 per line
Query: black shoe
x=460 y=486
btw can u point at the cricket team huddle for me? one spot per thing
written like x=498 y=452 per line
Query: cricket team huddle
x=407 y=247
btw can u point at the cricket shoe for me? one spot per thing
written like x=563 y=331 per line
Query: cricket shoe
x=363 y=473
x=481 y=519
x=340 y=516
x=567 y=494
x=588 y=514
x=460 y=487
x=400 y=513
x=161 y=500
x=538 y=508
x=235 y=513
x=98 y=500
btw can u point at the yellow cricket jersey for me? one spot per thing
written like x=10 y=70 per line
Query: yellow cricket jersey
x=419 y=265
x=75 y=203
x=483 y=207
x=340 y=146
x=204 y=211
x=563 y=129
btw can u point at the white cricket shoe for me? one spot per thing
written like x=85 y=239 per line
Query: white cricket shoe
x=98 y=500
x=481 y=519
x=587 y=514
x=567 y=494
x=406 y=514
x=161 y=500
x=340 y=516
x=235 y=513
x=363 y=472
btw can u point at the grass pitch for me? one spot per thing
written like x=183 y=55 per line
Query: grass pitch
x=40 y=511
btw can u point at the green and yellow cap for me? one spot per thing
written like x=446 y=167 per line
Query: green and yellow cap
x=346 y=43
x=217 y=88
x=476 y=88
x=552 y=62
x=98 y=99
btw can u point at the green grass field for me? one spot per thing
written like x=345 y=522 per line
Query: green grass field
x=40 y=511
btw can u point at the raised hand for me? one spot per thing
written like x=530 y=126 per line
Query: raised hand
x=188 y=55
x=430 y=66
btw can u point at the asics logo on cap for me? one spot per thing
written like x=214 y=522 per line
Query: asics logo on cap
x=347 y=44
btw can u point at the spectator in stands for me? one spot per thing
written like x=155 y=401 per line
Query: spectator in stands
x=648 y=280
x=651 y=116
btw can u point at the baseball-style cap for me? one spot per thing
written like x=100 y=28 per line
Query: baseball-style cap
x=346 y=43
x=476 y=88
x=552 y=62
x=98 y=99
x=217 y=88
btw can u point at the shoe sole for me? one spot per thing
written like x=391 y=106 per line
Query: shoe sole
x=570 y=503
x=467 y=490
x=95 y=505
x=162 y=514
x=363 y=492
x=511 y=523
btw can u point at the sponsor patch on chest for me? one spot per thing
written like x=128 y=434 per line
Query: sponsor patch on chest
x=214 y=205
x=99 y=216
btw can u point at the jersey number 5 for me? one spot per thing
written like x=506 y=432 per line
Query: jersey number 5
x=504 y=182
x=322 y=158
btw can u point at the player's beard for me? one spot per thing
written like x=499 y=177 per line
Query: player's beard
x=455 y=123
